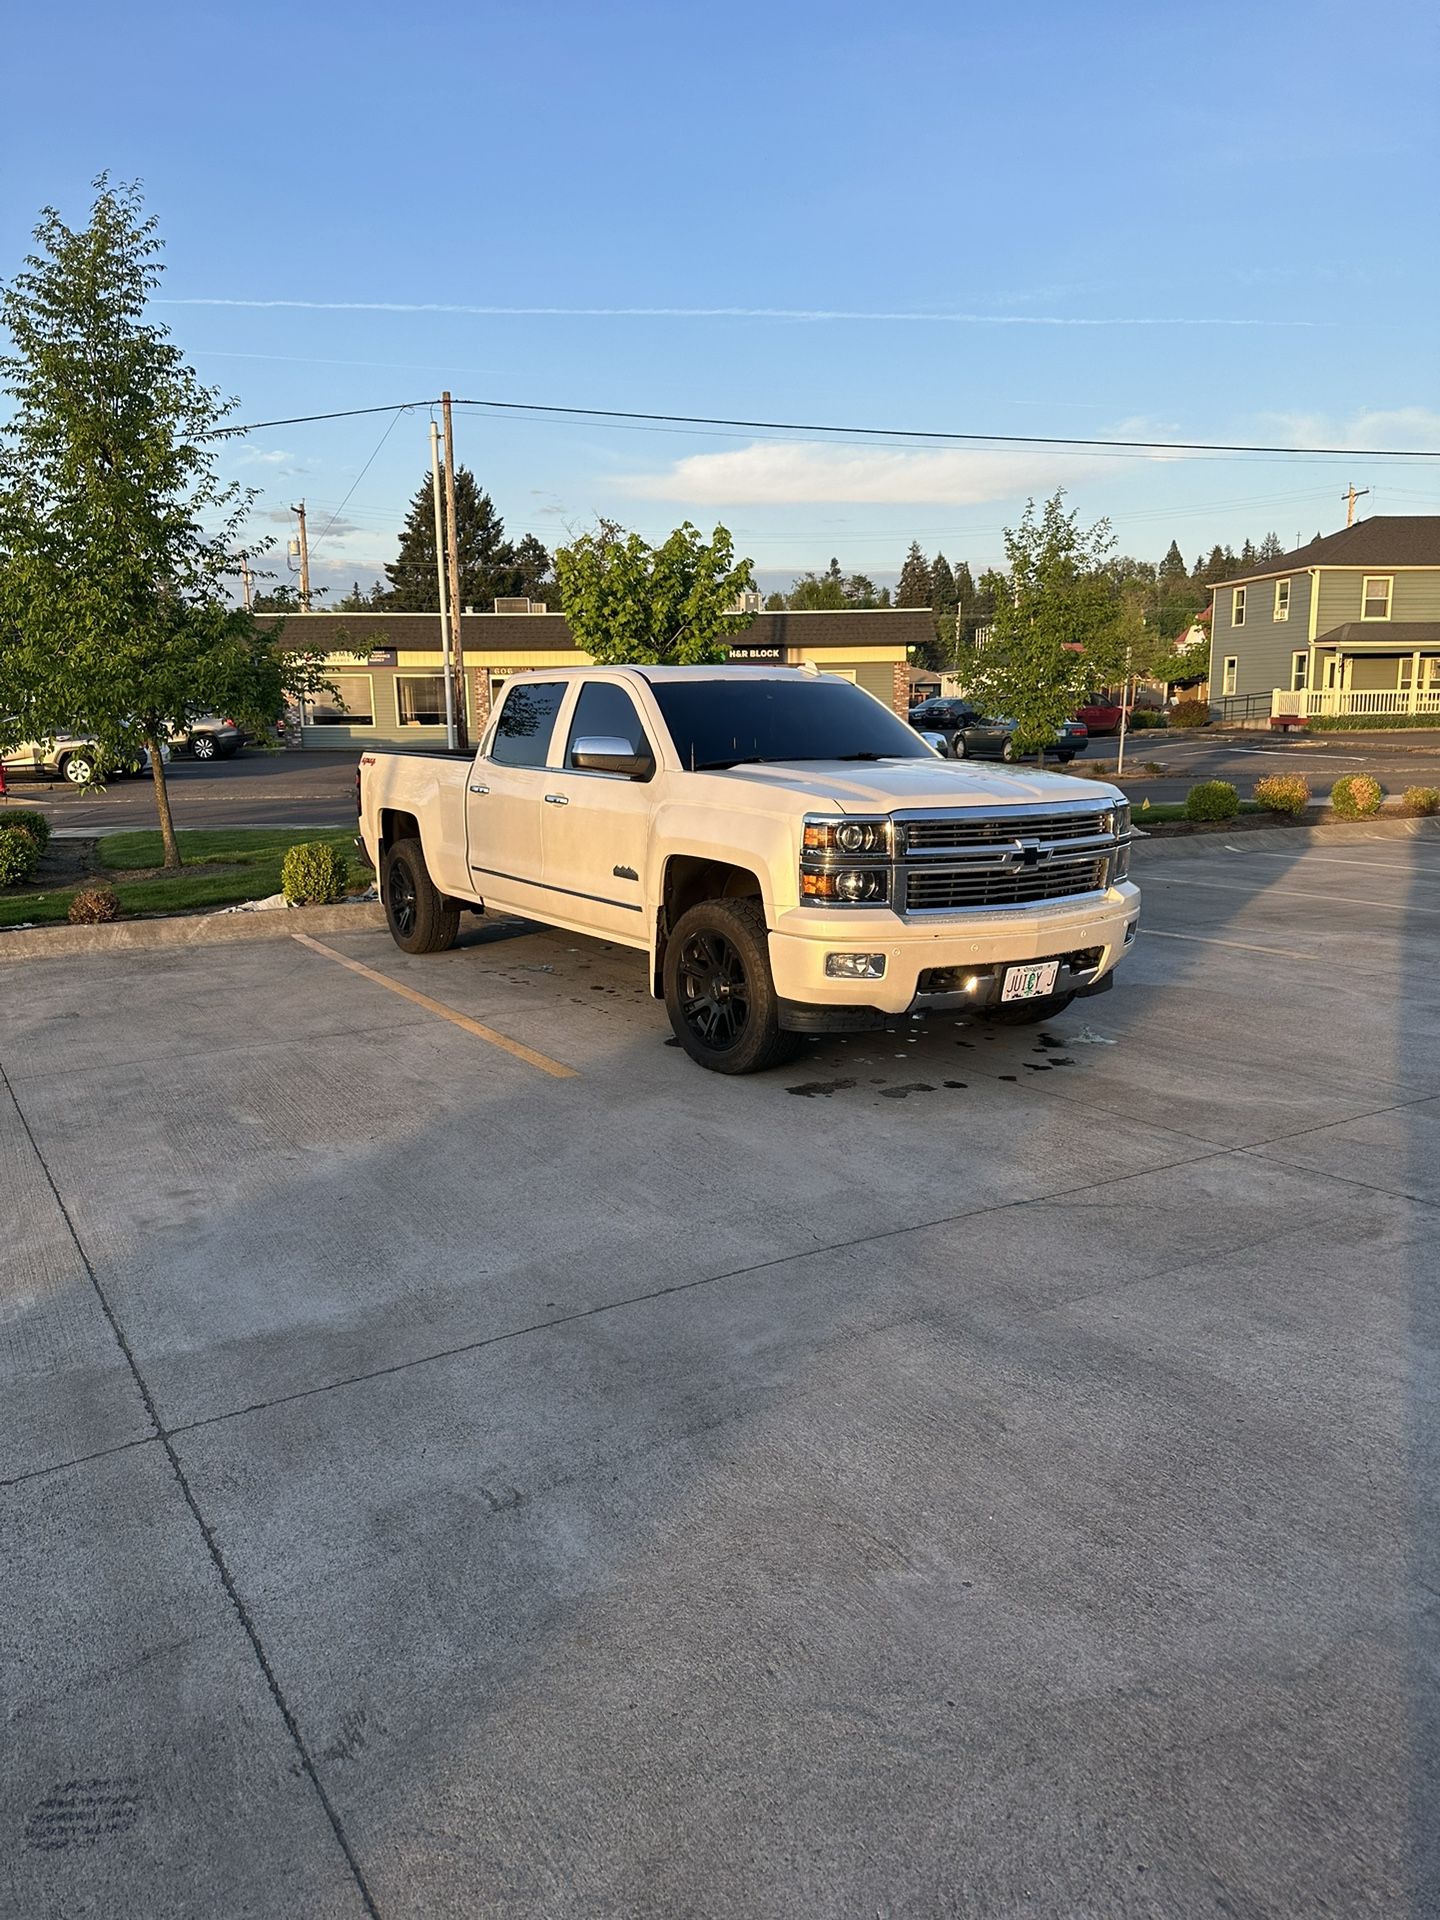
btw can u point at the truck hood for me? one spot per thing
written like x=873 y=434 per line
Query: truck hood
x=887 y=786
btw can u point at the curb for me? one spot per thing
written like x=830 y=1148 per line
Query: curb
x=187 y=930
x=1290 y=839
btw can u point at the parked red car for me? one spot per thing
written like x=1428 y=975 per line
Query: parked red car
x=1100 y=717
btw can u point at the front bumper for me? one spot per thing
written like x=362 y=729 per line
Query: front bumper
x=929 y=963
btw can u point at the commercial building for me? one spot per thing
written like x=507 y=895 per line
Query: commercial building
x=387 y=667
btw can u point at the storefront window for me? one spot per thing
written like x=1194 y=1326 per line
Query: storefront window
x=420 y=699
x=352 y=705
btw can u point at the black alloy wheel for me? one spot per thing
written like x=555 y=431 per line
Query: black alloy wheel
x=400 y=899
x=714 y=990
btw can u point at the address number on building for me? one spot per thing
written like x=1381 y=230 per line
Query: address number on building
x=1030 y=983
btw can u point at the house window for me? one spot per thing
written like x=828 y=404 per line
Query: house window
x=1228 y=676
x=351 y=705
x=420 y=699
x=1237 y=607
x=1282 y=599
x=1299 y=672
x=1375 y=600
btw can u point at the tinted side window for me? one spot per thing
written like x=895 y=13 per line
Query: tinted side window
x=527 y=720
x=604 y=711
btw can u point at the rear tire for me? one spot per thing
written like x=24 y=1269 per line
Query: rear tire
x=719 y=991
x=957 y=746
x=1029 y=1013
x=203 y=747
x=1007 y=752
x=421 y=919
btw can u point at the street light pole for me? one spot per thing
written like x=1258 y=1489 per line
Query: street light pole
x=452 y=544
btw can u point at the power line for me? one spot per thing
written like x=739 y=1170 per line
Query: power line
x=869 y=433
x=924 y=433
x=362 y=473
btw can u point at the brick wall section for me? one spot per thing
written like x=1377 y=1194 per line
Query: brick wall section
x=900 y=689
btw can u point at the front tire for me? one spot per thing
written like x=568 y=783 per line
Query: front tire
x=203 y=747
x=957 y=746
x=79 y=769
x=1029 y=1013
x=719 y=991
x=1007 y=752
x=421 y=919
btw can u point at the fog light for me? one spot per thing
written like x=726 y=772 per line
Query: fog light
x=855 y=966
x=1132 y=927
x=972 y=983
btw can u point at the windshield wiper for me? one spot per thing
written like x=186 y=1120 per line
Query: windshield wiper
x=724 y=766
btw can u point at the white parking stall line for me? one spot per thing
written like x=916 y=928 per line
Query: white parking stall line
x=1361 y=866
x=1292 y=893
x=1240 y=946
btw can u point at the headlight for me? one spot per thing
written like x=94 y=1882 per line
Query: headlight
x=1121 y=866
x=1122 y=817
x=847 y=836
x=847 y=887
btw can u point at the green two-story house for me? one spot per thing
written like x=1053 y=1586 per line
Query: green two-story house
x=1349 y=625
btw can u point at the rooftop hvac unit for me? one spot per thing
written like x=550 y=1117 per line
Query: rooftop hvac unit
x=513 y=603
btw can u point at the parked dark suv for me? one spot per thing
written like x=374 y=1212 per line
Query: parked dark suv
x=969 y=735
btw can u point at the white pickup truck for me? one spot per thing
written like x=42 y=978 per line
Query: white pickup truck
x=791 y=857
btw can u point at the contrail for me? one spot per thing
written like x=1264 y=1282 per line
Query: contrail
x=734 y=313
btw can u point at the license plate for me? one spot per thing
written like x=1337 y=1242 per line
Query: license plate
x=1030 y=983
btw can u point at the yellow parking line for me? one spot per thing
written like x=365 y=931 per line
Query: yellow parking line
x=527 y=1054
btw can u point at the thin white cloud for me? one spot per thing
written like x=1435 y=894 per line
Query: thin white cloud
x=1412 y=428
x=265 y=457
x=792 y=473
x=746 y=313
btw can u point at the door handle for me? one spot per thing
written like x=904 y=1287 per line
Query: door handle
x=478 y=789
x=557 y=799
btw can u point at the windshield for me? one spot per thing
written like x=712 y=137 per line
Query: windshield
x=724 y=723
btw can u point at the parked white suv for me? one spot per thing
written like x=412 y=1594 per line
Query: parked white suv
x=75 y=757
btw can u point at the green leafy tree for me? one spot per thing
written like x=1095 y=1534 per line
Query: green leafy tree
x=1057 y=626
x=914 y=587
x=817 y=593
x=490 y=567
x=775 y=603
x=116 y=531
x=628 y=602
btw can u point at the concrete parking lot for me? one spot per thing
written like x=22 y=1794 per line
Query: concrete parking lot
x=492 y=1467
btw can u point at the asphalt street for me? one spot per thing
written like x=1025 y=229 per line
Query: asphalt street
x=984 y=1472
x=317 y=789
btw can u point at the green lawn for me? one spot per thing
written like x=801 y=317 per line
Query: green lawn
x=235 y=865
x=1163 y=810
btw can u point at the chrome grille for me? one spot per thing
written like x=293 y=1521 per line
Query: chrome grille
x=938 y=889
x=945 y=830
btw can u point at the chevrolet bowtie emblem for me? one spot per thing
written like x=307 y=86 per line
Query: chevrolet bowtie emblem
x=1027 y=852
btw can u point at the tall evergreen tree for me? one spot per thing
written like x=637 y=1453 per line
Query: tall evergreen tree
x=489 y=567
x=914 y=587
x=1172 y=567
x=1270 y=548
x=532 y=565
x=944 y=605
x=116 y=529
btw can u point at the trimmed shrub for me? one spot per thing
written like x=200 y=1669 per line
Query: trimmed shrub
x=314 y=875
x=1141 y=717
x=1422 y=799
x=1212 y=800
x=31 y=819
x=1356 y=796
x=19 y=856
x=1283 y=792
x=1371 y=722
x=92 y=905
x=1190 y=713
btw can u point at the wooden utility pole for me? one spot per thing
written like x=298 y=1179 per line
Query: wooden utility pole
x=452 y=552
x=304 y=559
x=443 y=588
x=1350 y=496
x=246 y=578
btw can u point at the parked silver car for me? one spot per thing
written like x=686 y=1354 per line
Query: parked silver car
x=74 y=757
x=210 y=737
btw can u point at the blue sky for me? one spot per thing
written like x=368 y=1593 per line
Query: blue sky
x=1205 y=223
